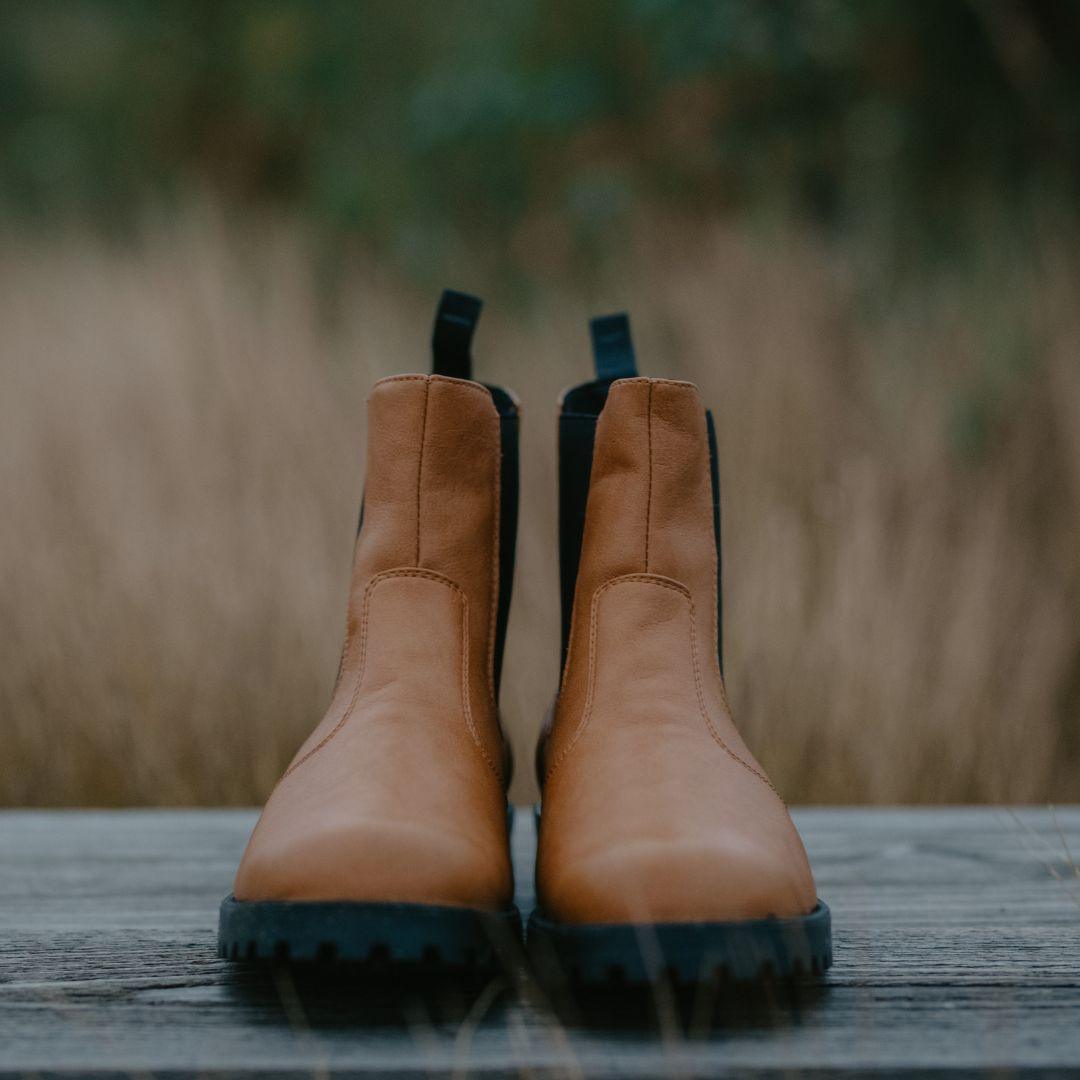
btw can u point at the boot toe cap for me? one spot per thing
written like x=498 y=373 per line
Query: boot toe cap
x=373 y=862
x=670 y=881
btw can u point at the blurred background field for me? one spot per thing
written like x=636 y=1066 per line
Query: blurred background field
x=852 y=223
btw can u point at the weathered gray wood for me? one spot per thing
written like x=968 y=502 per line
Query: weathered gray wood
x=957 y=938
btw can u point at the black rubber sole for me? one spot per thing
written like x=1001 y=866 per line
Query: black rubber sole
x=382 y=937
x=681 y=953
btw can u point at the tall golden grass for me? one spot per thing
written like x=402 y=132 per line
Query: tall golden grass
x=180 y=466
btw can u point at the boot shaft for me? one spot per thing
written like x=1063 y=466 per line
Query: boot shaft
x=434 y=493
x=440 y=499
x=638 y=483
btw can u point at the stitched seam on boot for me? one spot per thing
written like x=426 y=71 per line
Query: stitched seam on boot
x=420 y=467
x=466 y=696
x=649 y=484
x=496 y=510
x=667 y=583
x=398 y=378
x=705 y=709
x=716 y=655
x=466 y=384
x=715 y=664
x=586 y=713
x=429 y=575
x=654 y=382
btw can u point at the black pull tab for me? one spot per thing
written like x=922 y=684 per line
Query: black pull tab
x=613 y=350
x=451 y=338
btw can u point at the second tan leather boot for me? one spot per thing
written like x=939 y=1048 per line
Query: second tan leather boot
x=663 y=849
x=386 y=839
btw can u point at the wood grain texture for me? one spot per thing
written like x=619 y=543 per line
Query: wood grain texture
x=957 y=941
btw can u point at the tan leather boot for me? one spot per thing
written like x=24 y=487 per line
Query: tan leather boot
x=386 y=838
x=664 y=848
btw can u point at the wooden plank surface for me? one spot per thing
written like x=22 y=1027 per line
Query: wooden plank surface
x=957 y=942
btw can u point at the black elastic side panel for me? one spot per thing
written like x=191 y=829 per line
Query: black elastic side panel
x=509 y=485
x=451 y=338
x=613 y=350
x=577 y=433
x=714 y=475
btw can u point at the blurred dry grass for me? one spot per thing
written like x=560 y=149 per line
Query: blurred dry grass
x=180 y=438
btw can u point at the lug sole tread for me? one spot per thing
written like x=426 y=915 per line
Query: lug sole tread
x=760 y=951
x=374 y=936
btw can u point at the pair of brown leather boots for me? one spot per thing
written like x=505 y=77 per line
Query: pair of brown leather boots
x=663 y=847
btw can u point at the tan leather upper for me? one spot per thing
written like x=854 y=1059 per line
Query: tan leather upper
x=654 y=809
x=399 y=792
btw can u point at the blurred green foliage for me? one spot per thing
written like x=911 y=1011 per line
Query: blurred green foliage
x=540 y=123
